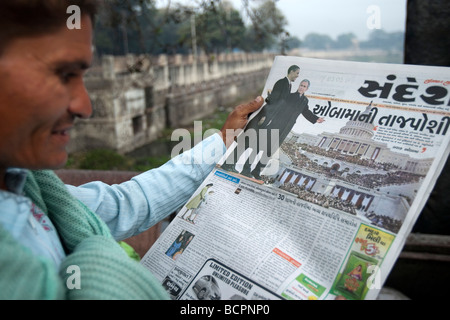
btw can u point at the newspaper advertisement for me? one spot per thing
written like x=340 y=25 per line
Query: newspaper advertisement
x=317 y=197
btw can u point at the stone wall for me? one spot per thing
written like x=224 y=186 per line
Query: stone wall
x=134 y=98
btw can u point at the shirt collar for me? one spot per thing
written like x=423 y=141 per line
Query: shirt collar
x=15 y=179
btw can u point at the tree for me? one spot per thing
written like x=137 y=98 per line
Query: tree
x=293 y=42
x=138 y=26
x=345 y=41
x=381 y=39
x=121 y=23
x=268 y=24
x=219 y=27
x=317 y=41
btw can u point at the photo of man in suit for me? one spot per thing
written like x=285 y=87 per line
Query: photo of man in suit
x=295 y=105
x=280 y=92
x=283 y=87
x=285 y=115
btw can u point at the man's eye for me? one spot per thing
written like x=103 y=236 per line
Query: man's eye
x=67 y=76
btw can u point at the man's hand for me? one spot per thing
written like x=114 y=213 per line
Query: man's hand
x=237 y=120
x=320 y=120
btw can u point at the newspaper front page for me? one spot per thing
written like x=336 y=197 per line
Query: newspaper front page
x=318 y=195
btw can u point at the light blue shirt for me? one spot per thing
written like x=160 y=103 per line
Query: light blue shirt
x=128 y=208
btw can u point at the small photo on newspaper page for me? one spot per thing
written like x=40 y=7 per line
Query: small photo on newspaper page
x=215 y=281
x=359 y=271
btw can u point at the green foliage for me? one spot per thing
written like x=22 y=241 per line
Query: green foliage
x=137 y=26
x=103 y=159
x=219 y=28
x=378 y=39
x=316 y=41
x=381 y=39
x=268 y=24
x=147 y=163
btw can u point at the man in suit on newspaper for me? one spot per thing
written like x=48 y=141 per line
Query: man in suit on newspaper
x=283 y=118
x=282 y=87
x=295 y=105
x=280 y=92
x=276 y=96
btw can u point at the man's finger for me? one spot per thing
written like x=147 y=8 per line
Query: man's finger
x=250 y=107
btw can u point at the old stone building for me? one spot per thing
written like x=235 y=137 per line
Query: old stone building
x=135 y=97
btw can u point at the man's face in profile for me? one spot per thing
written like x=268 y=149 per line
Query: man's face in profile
x=41 y=93
x=293 y=75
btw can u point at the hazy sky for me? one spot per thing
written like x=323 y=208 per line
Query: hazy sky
x=335 y=17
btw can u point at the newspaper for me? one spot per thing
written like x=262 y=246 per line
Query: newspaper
x=320 y=206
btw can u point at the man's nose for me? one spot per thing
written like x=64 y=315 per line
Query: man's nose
x=80 y=104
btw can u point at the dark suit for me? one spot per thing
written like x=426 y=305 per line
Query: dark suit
x=280 y=91
x=279 y=113
x=285 y=116
x=282 y=116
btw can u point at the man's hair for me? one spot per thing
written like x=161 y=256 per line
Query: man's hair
x=293 y=68
x=24 y=18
